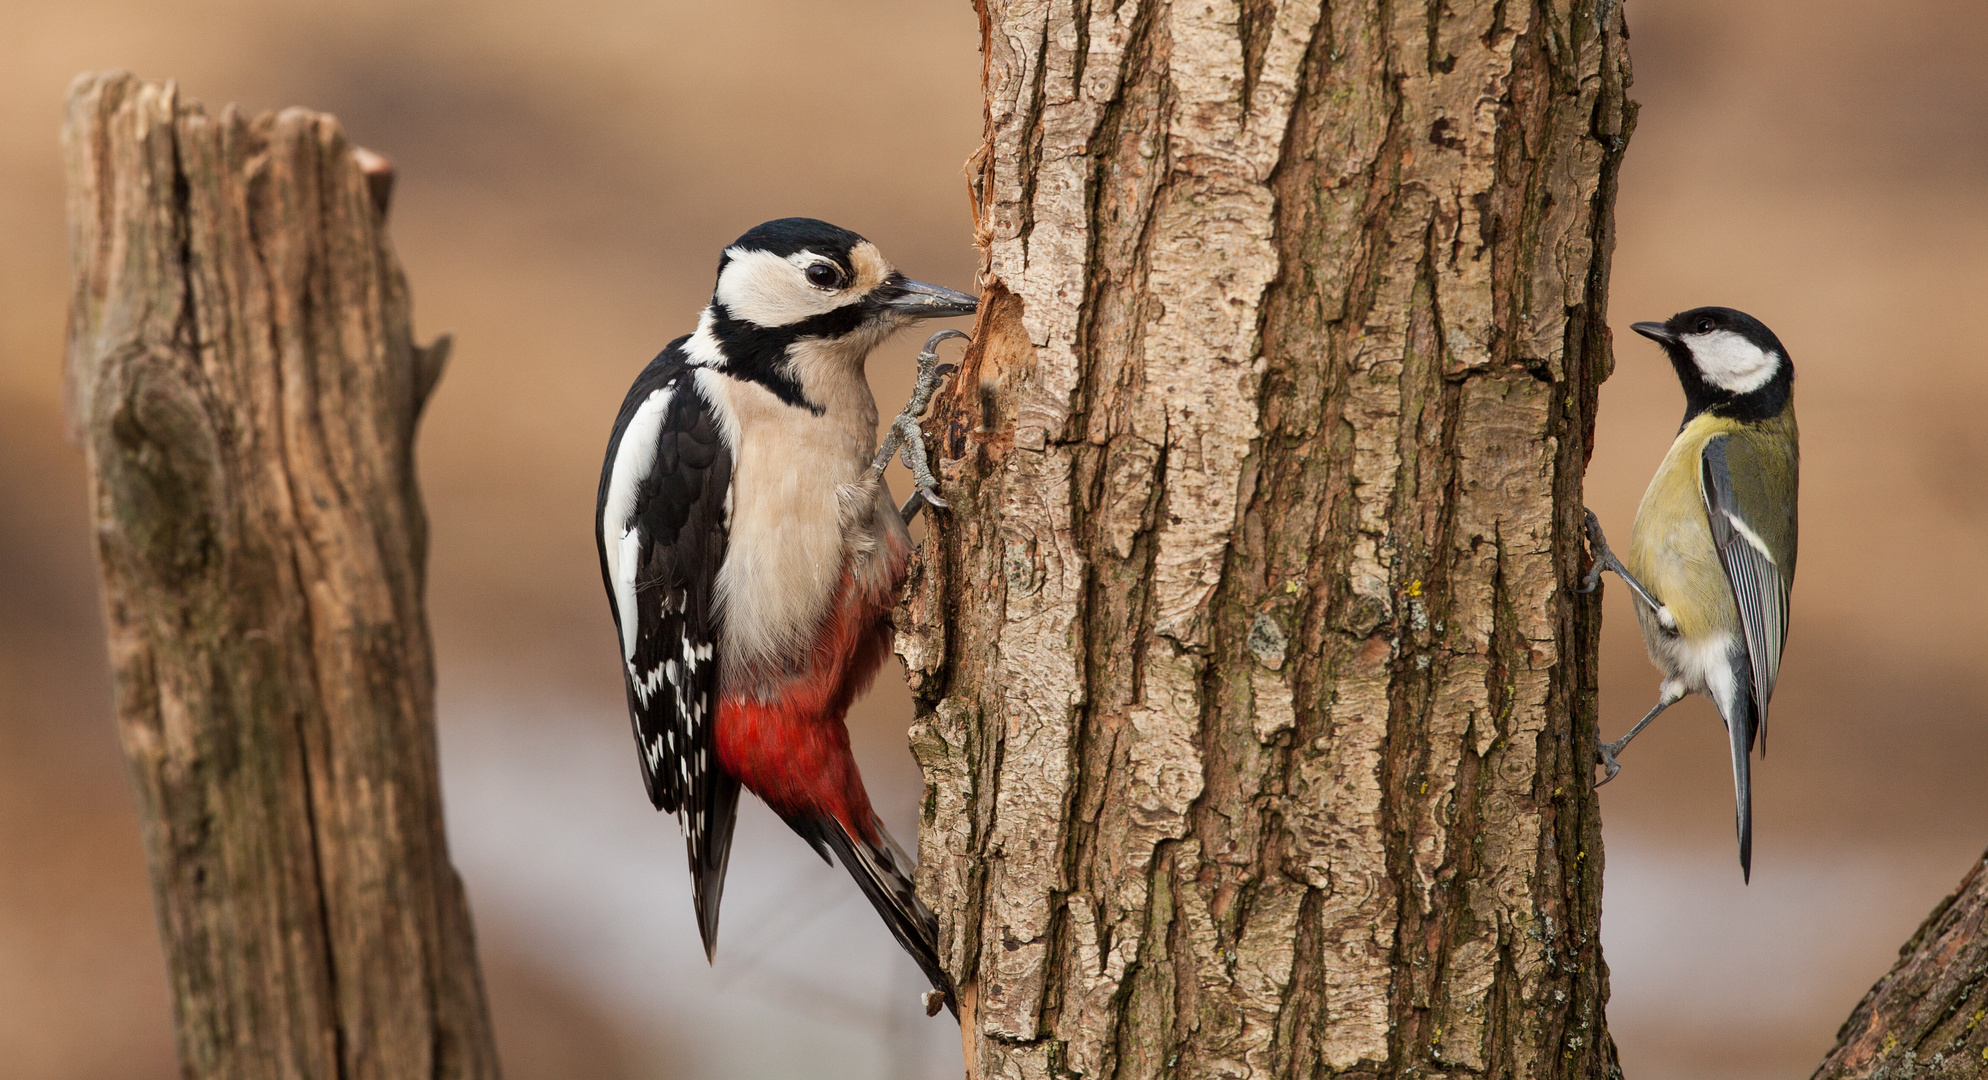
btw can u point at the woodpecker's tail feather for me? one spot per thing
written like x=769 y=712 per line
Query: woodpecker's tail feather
x=707 y=830
x=884 y=872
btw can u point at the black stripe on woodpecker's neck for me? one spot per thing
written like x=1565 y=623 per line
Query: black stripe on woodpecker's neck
x=759 y=353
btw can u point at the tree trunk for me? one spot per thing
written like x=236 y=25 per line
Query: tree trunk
x=1256 y=712
x=245 y=385
x=1925 y=1019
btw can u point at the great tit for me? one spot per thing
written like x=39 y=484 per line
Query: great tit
x=1712 y=552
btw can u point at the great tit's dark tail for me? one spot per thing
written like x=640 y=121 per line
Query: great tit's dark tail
x=1739 y=729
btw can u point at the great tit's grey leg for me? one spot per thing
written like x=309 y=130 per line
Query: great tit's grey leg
x=1606 y=752
x=908 y=439
x=1606 y=560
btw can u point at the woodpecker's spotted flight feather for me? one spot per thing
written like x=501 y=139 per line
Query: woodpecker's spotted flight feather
x=1712 y=553
x=751 y=555
x=661 y=527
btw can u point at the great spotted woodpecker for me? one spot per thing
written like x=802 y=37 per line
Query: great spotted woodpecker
x=752 y=554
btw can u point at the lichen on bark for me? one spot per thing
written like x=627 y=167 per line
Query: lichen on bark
x=1255 y=707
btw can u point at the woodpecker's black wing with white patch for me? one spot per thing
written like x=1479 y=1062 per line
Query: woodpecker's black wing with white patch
x=661 y=524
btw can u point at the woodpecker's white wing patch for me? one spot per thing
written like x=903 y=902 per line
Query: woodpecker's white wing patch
x=621 y=535
x=662 y=532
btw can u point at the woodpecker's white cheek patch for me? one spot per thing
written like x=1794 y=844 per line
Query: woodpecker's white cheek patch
x=1730 y=362
x=767 y=290
x=621 y=539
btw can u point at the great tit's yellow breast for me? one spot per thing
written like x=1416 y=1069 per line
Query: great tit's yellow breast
x=1670 y=546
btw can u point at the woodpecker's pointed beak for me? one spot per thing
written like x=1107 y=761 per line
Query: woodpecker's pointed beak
x=1655 y=331
x=913 y=300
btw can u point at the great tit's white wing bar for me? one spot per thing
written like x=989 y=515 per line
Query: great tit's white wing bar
x=662 y=534
x=1753 y=532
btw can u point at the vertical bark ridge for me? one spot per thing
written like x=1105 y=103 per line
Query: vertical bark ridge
x=1248 y=644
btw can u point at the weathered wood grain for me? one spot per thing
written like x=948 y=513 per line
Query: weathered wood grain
x=245 y=384
x=1927 y=1019
x=1256 y=711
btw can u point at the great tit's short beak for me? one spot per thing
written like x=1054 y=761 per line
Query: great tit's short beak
x=1655 y=331
x=917 y=300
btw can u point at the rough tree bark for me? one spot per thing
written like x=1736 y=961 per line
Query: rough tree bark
x=1927 y=1019
x=245 y=384
x=1256 y=712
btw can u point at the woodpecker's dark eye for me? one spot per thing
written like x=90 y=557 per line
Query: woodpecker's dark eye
x=824 y=276
x=1704 y=326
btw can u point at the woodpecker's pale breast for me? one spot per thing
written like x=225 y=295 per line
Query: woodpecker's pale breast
x=801 y=513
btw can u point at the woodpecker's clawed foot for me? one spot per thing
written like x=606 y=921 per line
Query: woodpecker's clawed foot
x=908 y=439
x=919 y=500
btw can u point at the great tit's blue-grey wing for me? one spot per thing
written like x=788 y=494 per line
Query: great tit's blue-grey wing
x=662 y=529
x=1748 y=484
x=1750 y=506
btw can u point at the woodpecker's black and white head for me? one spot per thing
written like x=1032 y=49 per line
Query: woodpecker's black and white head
x=799 y=301
x=1730 y=363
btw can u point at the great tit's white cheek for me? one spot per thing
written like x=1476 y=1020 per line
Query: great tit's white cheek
x=1730 y=362
x=768 y=290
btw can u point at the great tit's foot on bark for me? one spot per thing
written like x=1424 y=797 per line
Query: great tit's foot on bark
x=1606 y=753
x=1604 y=559
x=1597 y=546
x=1605 y=757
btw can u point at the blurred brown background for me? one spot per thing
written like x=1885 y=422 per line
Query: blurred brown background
x=568 y=174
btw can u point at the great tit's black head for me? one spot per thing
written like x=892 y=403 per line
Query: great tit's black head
x=1726 y=359
x=813 y=279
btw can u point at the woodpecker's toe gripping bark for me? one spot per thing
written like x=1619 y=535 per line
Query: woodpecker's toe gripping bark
x=907 y=438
